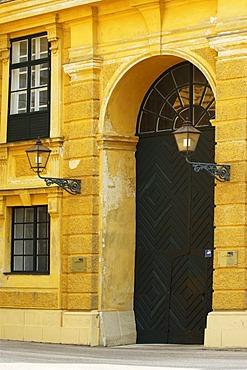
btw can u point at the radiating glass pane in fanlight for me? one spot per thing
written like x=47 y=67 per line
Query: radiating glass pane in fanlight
x=208 y=97
x=148 y=122
x=175 y=101
x=198 y=91
x=211 y=109
x=181 y=75
x=184 y=95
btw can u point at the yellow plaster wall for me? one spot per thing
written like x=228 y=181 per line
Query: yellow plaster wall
x=105 y=55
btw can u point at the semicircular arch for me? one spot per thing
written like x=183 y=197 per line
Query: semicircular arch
x=129 y=84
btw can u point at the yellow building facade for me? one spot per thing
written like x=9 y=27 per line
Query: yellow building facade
x=78 y=284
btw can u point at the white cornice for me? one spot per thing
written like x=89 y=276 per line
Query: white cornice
x=22 y=9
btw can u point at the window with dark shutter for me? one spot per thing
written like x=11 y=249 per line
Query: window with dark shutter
x=29 y=97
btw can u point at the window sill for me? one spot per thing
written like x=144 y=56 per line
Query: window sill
x=26 y=273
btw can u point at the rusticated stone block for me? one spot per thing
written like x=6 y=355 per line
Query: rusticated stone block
x=81 y=128
x=231 y=109
x=231 y=68
x=83 y=301
x=233 y=236
x=229 y=279
x=82 y=283
x=84 y=147
x=78 y=244
x=88 y=205
x=230 y=300
x=79 y=225
x=28 y=299
x=233 y=214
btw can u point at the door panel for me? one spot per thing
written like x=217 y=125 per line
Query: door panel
x=173 y=279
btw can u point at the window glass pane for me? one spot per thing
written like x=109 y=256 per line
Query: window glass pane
x=28 y=263
x=18 y=247
x=28 y=247
x=39 y=47
x=19 y=215
x=29 y=214
x=198 y=76
x=148 y=122
x=41 y=230
x=211 y=109
x=28 y=231
x=184 y=95
x=42 y=247
x=18 y=263
x=164 y=124
x=43 y=99
x=198 y=91
x=181 y=75
x=168 y=112
x=166 y=85
x=42 y=215
x=38 y=100
x=19 y=79
x=154 y=102
x=207 y=98
x=18 y=102
x=19 y=51
x=42 y=263
x=39 y=75
x=175 y=102
x=18 y=231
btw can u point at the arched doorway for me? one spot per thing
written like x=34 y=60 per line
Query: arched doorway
x=175 y=209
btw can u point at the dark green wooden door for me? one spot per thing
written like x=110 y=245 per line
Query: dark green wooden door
x=175 y=208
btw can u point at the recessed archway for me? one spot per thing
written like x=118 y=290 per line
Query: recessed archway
x=117 y=142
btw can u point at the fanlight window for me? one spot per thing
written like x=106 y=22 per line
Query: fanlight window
x=180 y=94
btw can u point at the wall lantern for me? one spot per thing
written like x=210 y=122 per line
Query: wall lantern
x=187 y=138
x=38 y=156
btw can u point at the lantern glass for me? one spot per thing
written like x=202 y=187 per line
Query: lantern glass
x=38 y=156
x=187 y=138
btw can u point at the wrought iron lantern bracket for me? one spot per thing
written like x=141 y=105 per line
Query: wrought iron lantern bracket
x=187 y=138
x=38 y=156
x=220 y=172
x=72 y=186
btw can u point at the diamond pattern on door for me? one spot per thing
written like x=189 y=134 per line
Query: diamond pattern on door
x=173 y=279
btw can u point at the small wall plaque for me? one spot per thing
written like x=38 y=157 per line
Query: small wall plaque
x=78 y=264
x=227 y=258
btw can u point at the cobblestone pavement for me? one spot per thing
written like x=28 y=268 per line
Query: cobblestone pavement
x=26 y=355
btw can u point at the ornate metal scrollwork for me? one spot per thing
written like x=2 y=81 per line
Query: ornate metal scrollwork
x=72 y=186
x=220 y=172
